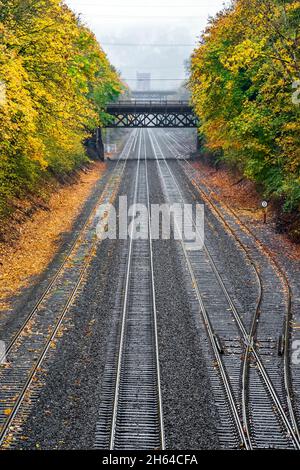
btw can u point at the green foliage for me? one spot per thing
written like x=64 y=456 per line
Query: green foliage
x=58 y=82
x=241 y=83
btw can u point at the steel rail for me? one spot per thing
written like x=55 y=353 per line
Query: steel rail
x=21 y=395
x=209 y=327
x=250 y=343
x=125 y=311
x=62 y=265
x=284 y=280
x=246 y=363
x=160 y=407
x=294 y=431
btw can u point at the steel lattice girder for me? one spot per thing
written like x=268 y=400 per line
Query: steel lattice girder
x=154 y=119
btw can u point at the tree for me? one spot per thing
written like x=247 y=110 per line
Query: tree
x=241 y=82
x=58 y=82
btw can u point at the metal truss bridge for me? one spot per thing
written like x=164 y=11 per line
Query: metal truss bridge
x=139 y=114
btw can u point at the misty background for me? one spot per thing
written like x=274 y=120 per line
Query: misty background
x=148 y=37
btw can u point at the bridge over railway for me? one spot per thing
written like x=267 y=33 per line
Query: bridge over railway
x=159 y=114
x=144 y=114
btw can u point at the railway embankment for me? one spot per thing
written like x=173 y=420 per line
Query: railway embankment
x=35 y=232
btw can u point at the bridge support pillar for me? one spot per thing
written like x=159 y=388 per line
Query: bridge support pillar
x=94 y=146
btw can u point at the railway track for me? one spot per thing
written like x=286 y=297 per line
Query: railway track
x=130 y=415
x=29 y=346
x=253 y=387
x=273 y=334
x=251 y=382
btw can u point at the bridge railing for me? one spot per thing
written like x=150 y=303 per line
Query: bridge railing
x=137 y=106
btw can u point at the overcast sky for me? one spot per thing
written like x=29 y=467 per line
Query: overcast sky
x=128 y=31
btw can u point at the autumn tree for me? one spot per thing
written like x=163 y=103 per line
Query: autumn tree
x=58 y=82
x=242 y=77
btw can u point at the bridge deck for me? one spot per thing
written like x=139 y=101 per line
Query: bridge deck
x=153 y=113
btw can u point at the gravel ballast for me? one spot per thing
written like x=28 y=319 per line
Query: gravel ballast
x=65 y=414
x=189 y=413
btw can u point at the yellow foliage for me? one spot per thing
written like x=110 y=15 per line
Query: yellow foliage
x=241 y=82
x=58 y=82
